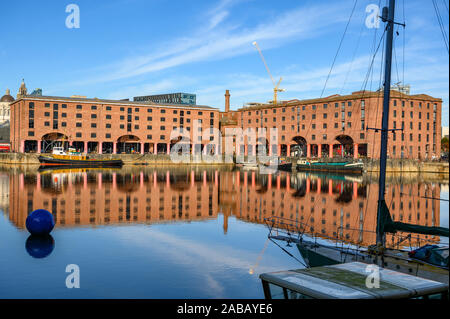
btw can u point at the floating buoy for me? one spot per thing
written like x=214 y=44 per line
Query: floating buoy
x=39 y=246
x=40 y=222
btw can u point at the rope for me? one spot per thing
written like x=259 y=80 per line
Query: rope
x=441 y=26
x=339 y=47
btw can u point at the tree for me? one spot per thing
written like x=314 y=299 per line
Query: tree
x=444 y=144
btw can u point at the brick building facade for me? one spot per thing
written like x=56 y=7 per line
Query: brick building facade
x=342 y=126
x=104 y=126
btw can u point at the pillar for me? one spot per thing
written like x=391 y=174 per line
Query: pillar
x=245 y=149
x=330 y=151
x=38 y=181
x=100 y=147
x=22 y=146
x=355 y=190
x=278 y=181
x=155 y=148
x=99 y=178
x=142 y=147
x=168 y=148
x=342 y=150
x=288 y=182
x=85 y=147
x=38 y=146
x=355 y=150
x=308 y=150
x=114 y=181
x=141 y=179
x=84 y=180
x=279 y=150
x=319 y=151
x=253 y=180
x=319 y=185
x=269 y=182
x=204 y=178
x=330 y=187
x=155 y=180
x=308 y=185
x=167 y=179
x=192 y=178
x=114 y=147
x=270 y=149
x=21 y=181
x=245 y=179
x=289 y=150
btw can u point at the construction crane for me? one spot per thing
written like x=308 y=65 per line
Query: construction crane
x=276 y=88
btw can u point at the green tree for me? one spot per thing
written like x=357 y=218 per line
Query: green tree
x=444 y=144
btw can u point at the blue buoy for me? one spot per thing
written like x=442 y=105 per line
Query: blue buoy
x=40 y=246
x=40 y=222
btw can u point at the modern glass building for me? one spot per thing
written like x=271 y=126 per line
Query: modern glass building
x=172 y=98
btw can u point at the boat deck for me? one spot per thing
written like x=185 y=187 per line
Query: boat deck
x=353 y=280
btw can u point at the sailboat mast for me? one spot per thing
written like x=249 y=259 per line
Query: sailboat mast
x=387 y=17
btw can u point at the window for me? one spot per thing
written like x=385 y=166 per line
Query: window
x=108 y=135
x=108 y=116
x=162 y=128
x=55 y=106
x=324 y=115
x=324 y=137
x=163 y=111
x=93 y=107
x=78 y=124
x=31 y=123
x=31 y=105
x=136 y=109
x=108 y=108
x=163 y=119
x=122 y=126
x=46 y=123
x=63 y=114
x=149 y=118
x=47 y=114
x=93 y=116
x=122 y=109
x=149 y=137
x=63 y=124
x=136 y=127
x=47 y=104
x=108 y=125
x=136 y=118
x=78 y=134
x=93 y=135
x=30 y=133
x=162 y=137
x=122 y=117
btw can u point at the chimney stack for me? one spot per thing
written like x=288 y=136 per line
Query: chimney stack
x=227 y=101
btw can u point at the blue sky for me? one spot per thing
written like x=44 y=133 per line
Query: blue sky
x=126 y=48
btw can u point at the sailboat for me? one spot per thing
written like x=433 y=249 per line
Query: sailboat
x=429 y=262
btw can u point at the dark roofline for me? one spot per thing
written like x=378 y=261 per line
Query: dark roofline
x=112 y=102
x=336 y=97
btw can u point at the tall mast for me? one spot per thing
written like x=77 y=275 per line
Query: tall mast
x=388 y=17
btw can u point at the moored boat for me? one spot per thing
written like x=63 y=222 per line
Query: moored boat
x=77 y=159
x=344 y=167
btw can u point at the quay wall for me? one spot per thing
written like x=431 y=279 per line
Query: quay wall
x=394 y=166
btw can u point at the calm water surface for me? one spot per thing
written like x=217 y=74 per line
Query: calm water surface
x=184 y=232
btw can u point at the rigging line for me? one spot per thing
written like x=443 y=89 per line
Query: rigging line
x=404 y=40
x=339 y=47
x=427 y=197
x=288 y=253
x=438 y=16
x=395 y=61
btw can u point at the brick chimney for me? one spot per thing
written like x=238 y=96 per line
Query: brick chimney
x=227 y=101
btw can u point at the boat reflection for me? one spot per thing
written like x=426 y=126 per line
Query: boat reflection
x=329 y=205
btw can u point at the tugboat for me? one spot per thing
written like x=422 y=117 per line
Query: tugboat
x=75 y=159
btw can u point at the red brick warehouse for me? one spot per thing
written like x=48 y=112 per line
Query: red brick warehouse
x=103 y=126
x=337 y=125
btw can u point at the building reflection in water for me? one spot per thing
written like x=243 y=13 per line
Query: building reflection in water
x=328 y=206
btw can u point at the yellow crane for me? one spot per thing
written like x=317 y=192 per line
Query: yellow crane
x=276 y=88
